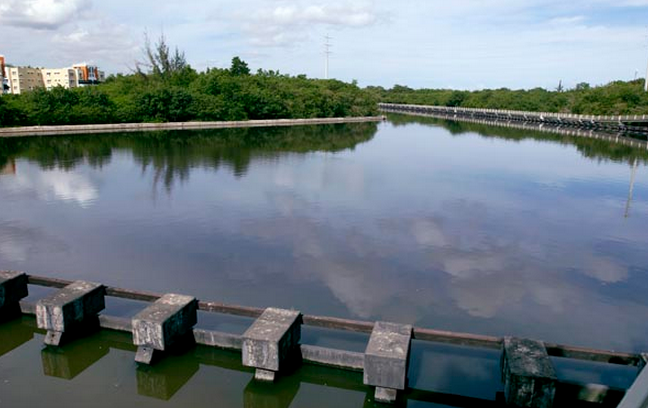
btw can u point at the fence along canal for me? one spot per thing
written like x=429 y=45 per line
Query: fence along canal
x=272 y=342
x=618 y=123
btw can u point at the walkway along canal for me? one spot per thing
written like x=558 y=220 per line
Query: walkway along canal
x=616 y=123
x=617 y=137
x=271 y=345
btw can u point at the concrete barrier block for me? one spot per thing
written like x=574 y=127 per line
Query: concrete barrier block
x=271 y=339
x=163 y=323
x=76 y=304
x=528 y=374
x=386 y=359
x=13 y=287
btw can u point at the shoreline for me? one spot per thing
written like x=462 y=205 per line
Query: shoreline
x=25 y=131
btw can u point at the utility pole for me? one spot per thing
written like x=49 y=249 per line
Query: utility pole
x=327 y=53
x=646 y=80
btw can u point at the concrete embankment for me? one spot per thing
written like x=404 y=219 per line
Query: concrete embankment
x=145 y=127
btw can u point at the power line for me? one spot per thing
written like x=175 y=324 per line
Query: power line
x=327 y=53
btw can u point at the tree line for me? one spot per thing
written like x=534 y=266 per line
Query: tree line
x=164 y=88
x=615 y=98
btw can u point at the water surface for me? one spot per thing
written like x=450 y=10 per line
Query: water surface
x=440 y=224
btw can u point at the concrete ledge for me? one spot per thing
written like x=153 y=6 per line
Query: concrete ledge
x=637 y=395
x=218 y=339
x=347 y=360
x=270 y=341
x=70 y=308
x=115 y=323
x=13 y=287
x=143 y=127
x=527 y=373
x=386 y=359
x=162 y=324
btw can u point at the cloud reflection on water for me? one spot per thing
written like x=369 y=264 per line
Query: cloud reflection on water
x=420 y=235
x=54 y=184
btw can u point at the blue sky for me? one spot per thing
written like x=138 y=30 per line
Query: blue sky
x=464 y=44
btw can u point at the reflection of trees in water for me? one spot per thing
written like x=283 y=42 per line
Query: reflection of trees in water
x=63 y=153
x=171 y=155
x=598 y=149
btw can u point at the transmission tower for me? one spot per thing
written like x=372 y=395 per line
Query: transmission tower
x=327 y=53
x=646 y=80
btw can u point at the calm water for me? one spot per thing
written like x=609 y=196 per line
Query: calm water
x=439 y=224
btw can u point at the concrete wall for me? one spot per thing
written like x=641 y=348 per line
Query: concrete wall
x=142 y=127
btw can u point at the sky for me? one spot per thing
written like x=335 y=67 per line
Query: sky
x=458 y=44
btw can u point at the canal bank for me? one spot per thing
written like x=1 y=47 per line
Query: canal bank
x=148 y=127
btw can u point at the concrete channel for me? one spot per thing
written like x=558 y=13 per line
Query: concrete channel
x=273 y=342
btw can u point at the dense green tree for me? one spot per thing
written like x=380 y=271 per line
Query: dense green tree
x=239 y=67
x=159 y=60
x=616 y=98
x=184 y=95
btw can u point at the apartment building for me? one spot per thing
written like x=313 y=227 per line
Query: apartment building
x=17 y=80
x=23 y=79
x=4 y=84
x=65 y=77
x=88 y=74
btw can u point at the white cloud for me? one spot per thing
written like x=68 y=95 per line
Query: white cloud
x=289 y=22
x=350 y=14
x=421 y=43
x=98 y=41
x=567 y=20
x=47 y=14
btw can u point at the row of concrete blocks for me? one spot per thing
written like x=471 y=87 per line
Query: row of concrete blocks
x=271 y=343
